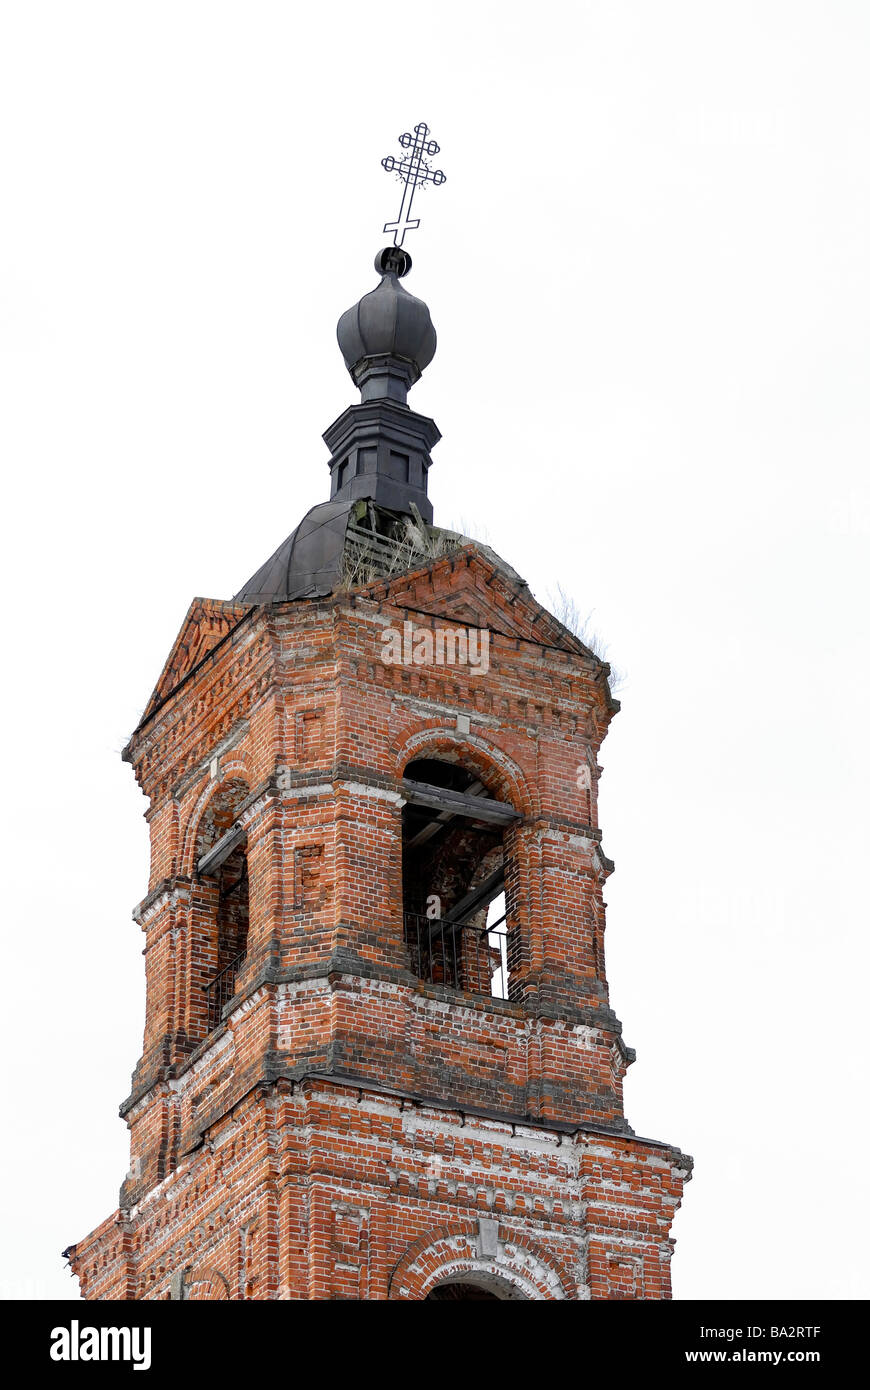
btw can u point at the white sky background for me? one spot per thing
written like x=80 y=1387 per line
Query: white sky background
x=648 y=273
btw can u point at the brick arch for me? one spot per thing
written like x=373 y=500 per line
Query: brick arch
x=500 y=773
x=452 y=1255
x=217 y=925
x=235 y=761
x=236 y=766
x=231 y=777
x=206 y=1284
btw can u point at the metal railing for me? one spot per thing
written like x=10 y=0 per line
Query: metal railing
x=472 y=959
x=220 y=990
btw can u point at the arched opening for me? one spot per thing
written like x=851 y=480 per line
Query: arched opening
x=483 y=1286
x=221 y=909
x=231 y=929
x=444 y=1292
x=458 y=916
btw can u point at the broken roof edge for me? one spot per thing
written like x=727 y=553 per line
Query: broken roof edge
x=520 y=586
x=306 y=563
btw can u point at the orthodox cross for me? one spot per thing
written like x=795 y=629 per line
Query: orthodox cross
x=413 y=171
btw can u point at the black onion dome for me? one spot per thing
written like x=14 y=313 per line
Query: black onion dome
x=388 y=322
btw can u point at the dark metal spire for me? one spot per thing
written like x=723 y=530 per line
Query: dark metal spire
x=380 y=448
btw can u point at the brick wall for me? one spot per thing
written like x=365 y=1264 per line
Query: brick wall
x=317 y=1189
x=248 y=1178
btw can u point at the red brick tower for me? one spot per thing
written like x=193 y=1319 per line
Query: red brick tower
x=379 y=1059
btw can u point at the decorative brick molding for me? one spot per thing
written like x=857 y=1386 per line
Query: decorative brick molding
x=206 y=1284
x=515 y=1269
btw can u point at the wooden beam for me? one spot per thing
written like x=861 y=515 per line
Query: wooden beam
x=442 y=819
x=484 y=893
x=459 y=803
x=221 y=851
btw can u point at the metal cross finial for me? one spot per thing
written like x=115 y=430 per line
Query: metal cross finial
x=413 y=171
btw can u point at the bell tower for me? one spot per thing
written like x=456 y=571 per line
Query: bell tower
x=379 y=1059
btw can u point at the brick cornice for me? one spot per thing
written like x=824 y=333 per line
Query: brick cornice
x=169 y=890
x=344 y=967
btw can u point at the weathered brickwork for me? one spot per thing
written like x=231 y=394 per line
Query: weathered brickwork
x=319 y=1189
x=333 y=1126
